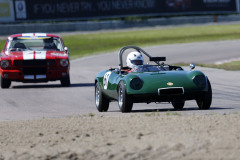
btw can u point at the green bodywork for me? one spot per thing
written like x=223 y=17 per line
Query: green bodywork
x=152 y=81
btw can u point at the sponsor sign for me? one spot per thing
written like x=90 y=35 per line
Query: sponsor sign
x=86 y=9
x=20 y=9
x=6 y=11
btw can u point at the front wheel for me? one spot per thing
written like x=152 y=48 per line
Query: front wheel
x=124 y=100
x=65 y=82
x=101 y=102
x=205 y=101
x=178 y=105
x=5 y=83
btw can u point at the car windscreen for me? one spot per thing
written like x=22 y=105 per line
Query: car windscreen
x=45 y=43
x=147 y=68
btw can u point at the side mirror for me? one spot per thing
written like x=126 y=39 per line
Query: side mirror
x=66 y=49
x=117 y=71
x=192 y=66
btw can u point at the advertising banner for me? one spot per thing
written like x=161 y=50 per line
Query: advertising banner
x=200 y=6
x=86 y=9
x=6 y=11
x=20 y=9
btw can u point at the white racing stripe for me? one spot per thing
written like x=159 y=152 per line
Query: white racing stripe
x=28 y=55
x=41 y=76
x=40 y=34
x=31 y=34
x=37 y=76
x=29 y=77
x=27 y=34
x=40 y=55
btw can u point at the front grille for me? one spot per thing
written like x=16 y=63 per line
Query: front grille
x=33 y=63
x=170 y=91
x=34 y=71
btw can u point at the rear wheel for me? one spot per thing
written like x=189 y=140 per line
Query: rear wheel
x=205 y=101
x=65 y=82
x=124 y=100
x=5 y=83
x=102 y=103
x=178 y=105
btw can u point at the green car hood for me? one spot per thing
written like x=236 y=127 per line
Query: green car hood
x=152 y=81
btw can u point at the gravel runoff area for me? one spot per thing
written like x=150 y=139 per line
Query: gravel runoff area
x=153 y=136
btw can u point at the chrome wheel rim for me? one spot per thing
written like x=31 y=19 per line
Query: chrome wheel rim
x=97 y=96
x=120 y=97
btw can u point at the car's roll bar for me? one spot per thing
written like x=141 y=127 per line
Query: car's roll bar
x=155 y=59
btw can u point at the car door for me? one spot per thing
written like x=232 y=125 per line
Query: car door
x=110 y=82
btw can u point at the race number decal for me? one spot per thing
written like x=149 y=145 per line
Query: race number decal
x=105 y=79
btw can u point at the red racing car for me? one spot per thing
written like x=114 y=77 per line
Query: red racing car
x=34 y=57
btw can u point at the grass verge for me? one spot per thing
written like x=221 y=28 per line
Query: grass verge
x=86 y=44
x=233 y=66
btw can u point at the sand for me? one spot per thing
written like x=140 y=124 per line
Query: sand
x=150 y=136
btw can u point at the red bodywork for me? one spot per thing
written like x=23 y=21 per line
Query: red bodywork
x=34 y=65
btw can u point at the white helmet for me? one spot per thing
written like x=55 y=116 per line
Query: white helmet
x=134 y=59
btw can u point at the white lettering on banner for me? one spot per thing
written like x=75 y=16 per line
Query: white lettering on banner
x=48 y=8
x=68 y=7
x=144 y=4
x=122 y=4
x=86 y=6
x=102 y=5
x=125 y=4
x=216 y=1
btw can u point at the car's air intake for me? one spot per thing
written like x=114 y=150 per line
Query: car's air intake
x=170 y=91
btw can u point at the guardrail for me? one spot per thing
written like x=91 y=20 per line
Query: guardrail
x=7 y=29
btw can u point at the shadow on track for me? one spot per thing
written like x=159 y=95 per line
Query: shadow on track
x=82 y=85
x=183 y=110
x=172 y=110
x=73 y=85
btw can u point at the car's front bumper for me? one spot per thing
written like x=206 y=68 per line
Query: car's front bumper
x=35 y=75
x=148 y=98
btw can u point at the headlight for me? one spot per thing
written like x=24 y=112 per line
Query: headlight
x=64 y=62
x=4 y=63
x=136 y=83
x=200 y=81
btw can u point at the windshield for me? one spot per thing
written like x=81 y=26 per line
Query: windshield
x=147 y=68
x=43 y=43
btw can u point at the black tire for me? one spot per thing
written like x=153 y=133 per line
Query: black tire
x=124 y=101
x=205 y=101
x=5 y=83
x=101 y=102
x=65 y=82
x=178 y=105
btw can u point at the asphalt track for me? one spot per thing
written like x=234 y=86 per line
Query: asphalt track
x=42 y=100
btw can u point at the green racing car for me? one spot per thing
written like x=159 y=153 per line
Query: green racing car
x=147 y=83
